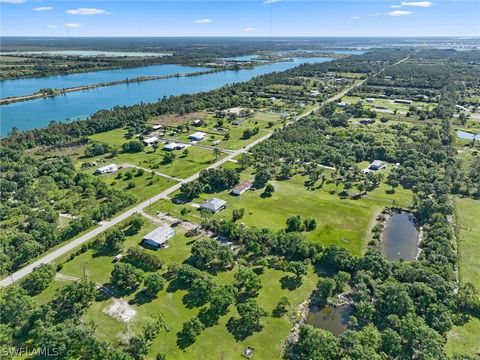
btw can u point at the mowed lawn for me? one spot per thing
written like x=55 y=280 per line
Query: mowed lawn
x=465 y=338
x=343 y=222
x=146 y=185
x=268 y=343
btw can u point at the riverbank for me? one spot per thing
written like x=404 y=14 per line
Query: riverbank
x=55 y=92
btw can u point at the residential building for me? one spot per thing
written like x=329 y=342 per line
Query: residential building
x=150 y=140
x=159 y=237
x=241 y=188
x=198 y=136
x=214 y=205
x=376 y=165
x=170 y=146
x=107 y=169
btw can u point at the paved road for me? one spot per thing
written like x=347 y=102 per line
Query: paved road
x=138 y=208
x=119 y=218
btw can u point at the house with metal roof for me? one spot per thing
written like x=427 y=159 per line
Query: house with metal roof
x=241 y=188
x=159 y=237
x=214 y=205
x=198 y=136
x=106 y=169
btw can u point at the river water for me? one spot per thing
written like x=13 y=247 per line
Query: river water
x=40 y=112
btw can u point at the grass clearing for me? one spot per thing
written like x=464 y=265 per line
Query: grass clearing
x=343 y=222
x=464 y=339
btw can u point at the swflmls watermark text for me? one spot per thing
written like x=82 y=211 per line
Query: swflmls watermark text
x=28 y=351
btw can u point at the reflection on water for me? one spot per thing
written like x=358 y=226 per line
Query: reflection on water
x=400 y=238
x=331 y=318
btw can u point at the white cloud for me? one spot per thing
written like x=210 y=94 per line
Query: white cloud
x=43 y=8
x=249 y=29
x=203 y=21
x=398 y=13
x=417 y=3
x=51 y=26
x=87 y=11
x=355 y=17
x=72 y=25
x=266 y=2
x=395 y=6
x=12 y=1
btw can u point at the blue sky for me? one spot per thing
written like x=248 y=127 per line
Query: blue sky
x=240 y=18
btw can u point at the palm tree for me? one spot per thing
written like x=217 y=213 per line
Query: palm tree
x=217 y=153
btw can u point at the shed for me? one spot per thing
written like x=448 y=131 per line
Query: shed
x=370 y=100
x=107 y=169
x=241 y=188
x=198 y=136
x=214 y=205
x=197 y=122
x=159 y=237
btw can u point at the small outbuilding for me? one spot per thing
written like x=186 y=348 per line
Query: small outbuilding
x=248 y=352
x=159 y=237
x=106 y=169
x=197 y=122
x=370 y=100
x=213 y=205
x=241 y=188
x=198 y=136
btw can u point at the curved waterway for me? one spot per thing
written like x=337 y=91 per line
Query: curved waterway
x=68 y=107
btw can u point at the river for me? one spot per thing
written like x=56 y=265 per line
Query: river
x=40 y=112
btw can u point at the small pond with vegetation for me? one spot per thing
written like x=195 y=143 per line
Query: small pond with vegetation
x=400 y=238
x=331 y=318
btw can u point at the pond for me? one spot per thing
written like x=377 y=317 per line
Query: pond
x=400 y=237
x=331 y=318
x=467 y=135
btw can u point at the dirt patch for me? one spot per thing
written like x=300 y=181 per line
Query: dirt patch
x=175 y=120
x=120 y=310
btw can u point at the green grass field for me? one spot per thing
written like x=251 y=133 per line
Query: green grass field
x=343 y=222
x=146 y=185
x=268 y=343
x=465 y=339
x=113 y=137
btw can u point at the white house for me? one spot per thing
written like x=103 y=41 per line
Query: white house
x=241 y=188
x=214 y=205
x=107 y=169
x=402 y=101
x=170 y=146
x=198 y=136
x=197 y=122
x=370 y=100
x=156 y=127
x=159 y=237
x=150 y=140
